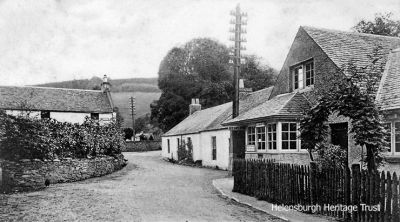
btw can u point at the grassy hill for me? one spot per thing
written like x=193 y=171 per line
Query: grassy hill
x=143 y=100
x=145 y=90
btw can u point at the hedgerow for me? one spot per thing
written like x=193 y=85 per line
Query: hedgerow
x=23 y=137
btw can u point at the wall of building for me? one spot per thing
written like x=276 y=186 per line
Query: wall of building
x=71 y=117
x=301 y=158
x=202 y=148
x=28 y=175
x=222 y=137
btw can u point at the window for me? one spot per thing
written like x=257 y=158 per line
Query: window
x=309 y=74
x=251 y=135
x=168 y=145
x=388 y=137
x=303 y=72
x=289 y=136
x=94 y=116
x=271 y=136
x=397 y=137
x=261 y=137
x=45 y=115
x=214 y=147
x=178 y=142
x=189 y=140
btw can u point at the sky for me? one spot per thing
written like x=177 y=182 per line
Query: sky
x=56 y=40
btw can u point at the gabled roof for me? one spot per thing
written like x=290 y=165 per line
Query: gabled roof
x=342 y=47
x=54 y=99
x=284 y=105
x=212 y=118
x=388 y=96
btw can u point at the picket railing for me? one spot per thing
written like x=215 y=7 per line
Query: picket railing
x=352 y=194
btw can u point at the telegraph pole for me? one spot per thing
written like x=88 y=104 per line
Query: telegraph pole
x=236 y=60
x=133 y=111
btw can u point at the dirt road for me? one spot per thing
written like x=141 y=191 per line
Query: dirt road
x=147 y=189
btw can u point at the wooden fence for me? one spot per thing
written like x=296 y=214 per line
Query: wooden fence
x=350 y=194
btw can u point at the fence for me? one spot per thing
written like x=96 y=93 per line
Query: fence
x=351 y=194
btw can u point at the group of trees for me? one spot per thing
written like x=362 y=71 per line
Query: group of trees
x=200 y=69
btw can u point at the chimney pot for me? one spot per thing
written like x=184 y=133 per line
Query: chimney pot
x=194 y=106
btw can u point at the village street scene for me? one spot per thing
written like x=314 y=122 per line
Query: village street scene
x=200 y=110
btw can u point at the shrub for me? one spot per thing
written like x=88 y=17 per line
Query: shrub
x=22 y=137
x=331 y=156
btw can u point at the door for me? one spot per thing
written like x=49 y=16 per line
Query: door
x=339 y=134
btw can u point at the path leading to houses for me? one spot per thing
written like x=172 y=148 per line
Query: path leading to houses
x=147 y=189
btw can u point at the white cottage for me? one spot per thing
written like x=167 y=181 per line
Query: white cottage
x=203 y=128
x=64 y=105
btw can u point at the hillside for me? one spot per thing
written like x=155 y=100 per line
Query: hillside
x=118 y=85
x=145 y=90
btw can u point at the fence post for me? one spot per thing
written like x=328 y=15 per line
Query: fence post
x=355 y=200
x=395 y=210
x=348 y=191
x=313 y=180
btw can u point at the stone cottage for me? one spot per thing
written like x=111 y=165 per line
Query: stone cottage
x=65 y=105
x=271 y=128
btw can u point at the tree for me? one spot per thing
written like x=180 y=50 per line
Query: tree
x=257 y=76
x=352 y=96
x=200 y=69
x=381 y=25
x=118 y=117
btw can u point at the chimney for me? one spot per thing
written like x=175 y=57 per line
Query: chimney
x=105 y=85
x=243 y=92
x=194 y=106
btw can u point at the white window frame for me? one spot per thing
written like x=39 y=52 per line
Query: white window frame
x=393 y=148
x=288 y=139
x=302 y=76
x=276 y=137
x=257 y=139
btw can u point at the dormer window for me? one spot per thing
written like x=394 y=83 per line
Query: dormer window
x=303 y=75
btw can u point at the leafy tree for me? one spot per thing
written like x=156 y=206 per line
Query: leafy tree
x=119 y=118
x=381 y=25
x=128 y=133
x=257 y=76
x=199 y=69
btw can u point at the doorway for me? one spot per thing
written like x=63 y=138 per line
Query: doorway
x=339 y=135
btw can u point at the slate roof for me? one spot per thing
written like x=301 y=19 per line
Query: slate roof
x=388 y=96
x=54 y=99
x=212 y=118
x=342 y=47
x=283 y=105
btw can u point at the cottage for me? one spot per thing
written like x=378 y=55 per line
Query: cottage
x=271 y=128
x=211 y=140
x=65 y=105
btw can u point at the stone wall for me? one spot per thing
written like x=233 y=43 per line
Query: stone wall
x=300 y=158
x=30 y=175
x=142 y=146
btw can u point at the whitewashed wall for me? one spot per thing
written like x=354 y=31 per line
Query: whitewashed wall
x=202 y=148
x=63 y=116
x=222 y=137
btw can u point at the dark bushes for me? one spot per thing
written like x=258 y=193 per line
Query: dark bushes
x=22 y=137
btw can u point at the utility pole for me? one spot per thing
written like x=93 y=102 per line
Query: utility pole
x=236 y=60
x=133 y=111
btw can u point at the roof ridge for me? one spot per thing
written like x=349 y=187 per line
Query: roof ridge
x=350 y=32
x=43 y=87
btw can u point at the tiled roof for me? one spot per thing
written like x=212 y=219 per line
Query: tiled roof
x=343 y=47
x=54 y=99
x=283 y=105
x=389 y=90
x=212 y=118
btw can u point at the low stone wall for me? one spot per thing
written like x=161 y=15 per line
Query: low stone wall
x=142 y=146
x=30 y=175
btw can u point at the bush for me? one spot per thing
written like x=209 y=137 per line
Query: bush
x=185 y=152
x=22 y=137
x=331 y=156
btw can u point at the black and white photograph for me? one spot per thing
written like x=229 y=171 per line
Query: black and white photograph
x=200 y=110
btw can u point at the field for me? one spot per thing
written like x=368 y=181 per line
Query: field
x=143 y=100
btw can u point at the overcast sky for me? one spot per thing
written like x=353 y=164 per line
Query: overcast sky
x=55 y=40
